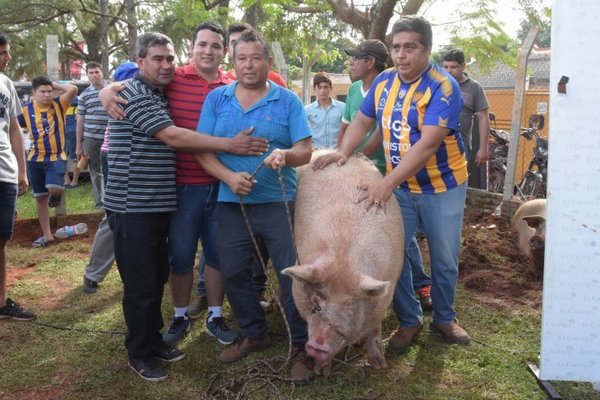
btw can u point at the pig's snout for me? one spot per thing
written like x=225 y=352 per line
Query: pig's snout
x=536 y=243
x=319 y=349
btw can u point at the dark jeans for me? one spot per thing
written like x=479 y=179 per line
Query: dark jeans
x=236 y=253
x=141 y=252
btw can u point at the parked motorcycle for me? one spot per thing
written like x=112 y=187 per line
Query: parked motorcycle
x=498 y=151
x=533 y=184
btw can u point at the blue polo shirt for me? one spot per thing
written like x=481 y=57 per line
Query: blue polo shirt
x=325 y=123
x=279 y=117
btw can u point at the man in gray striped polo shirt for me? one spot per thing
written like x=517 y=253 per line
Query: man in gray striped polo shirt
x=91 y=124
x=141 y=194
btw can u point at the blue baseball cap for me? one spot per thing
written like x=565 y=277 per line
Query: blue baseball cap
x=125 y=71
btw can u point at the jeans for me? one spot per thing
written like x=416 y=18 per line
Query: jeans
x=236 y=253
x=91 y=147
x=415 y=260
x=441 y=216
x=195 y=219
x=140 y=241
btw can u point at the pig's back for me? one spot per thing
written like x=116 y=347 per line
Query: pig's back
x=328 y=219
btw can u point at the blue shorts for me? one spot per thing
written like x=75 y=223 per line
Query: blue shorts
x=8 y=204
x=46 y=174
x=195 y=219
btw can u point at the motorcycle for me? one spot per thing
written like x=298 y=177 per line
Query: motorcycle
x=498 y=151
x=533 y=183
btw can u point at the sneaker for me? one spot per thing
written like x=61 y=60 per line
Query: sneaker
x=169 y=354
x=451 y=332
x=199 y=304
x=219 y=329
x=403 y=337
x=244 y=346
x=302 y=365
x=148 y=368
x=424 y=295
x=89 y=286
x=13 y=310
x=177 y=330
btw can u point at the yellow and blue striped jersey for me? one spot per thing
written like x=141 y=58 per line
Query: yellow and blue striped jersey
x=402 y=109
x=46 y=128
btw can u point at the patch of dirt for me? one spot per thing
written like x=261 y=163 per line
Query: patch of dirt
x=27 y=230
x=491 y=265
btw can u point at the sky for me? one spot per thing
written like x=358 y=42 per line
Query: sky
x=507 y=12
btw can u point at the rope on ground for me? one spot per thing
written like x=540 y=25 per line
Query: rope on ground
x=70 y=328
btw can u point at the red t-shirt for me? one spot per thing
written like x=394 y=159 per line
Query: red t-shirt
x=273 y=76
x=186 y=95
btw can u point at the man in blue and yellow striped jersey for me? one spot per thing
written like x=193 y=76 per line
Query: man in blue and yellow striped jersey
x=417 y=107
x=44 y=117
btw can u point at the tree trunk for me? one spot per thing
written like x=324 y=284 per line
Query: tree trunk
x=104 y=36
x=131 y=28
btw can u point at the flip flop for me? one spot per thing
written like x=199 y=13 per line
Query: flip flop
x=70 y=186
x=40 y=242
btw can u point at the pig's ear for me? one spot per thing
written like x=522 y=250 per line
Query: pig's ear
x=307 y=273
x=372 y=287
x=534 y=220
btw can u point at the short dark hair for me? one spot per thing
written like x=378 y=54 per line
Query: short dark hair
x=211 y=26
x=412 y=23
x=92 y=65
x=238 y=27
x=4 y=40
x=253 y=36
x=149 y=39
x=322 y=77
x=40 y=81
x=455 y=55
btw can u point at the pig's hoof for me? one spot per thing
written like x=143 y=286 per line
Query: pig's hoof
x=323 y=368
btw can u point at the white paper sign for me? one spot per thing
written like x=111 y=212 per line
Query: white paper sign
x=571 y=303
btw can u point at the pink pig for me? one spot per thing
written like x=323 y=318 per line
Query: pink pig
x=350 y=260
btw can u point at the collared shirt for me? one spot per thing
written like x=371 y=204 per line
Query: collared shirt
x=91 y=110
x=186 y=95
x=278 y=117
x=46 y=126
x=141 y=177
x=9 y=108
x=402 y=109
x=325 y=123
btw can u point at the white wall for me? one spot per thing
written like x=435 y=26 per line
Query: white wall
x=571 y=304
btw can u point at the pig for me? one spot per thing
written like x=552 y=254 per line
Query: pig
x=350 y=259
x=530 y=224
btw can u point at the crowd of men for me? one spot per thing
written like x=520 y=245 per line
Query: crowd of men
x=184 y=150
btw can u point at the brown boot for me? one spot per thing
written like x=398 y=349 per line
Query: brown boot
x=302 y=365
x=451 y=332
x=404 y=337
x=244 y=346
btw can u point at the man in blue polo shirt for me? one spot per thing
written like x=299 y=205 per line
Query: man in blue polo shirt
x=276 y=114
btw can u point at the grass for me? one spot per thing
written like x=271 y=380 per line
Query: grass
x=40 y=361
x=75 y=348
x=79 y=200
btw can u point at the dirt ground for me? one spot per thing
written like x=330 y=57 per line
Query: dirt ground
x=491 y=266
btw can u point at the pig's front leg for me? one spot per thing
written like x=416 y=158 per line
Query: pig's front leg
x=323 y=367
x=375 y=354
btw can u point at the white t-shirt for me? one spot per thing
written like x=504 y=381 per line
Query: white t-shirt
x=9 y=108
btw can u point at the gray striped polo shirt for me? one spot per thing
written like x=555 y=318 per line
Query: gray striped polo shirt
x=95 y=118
x=141 y=173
